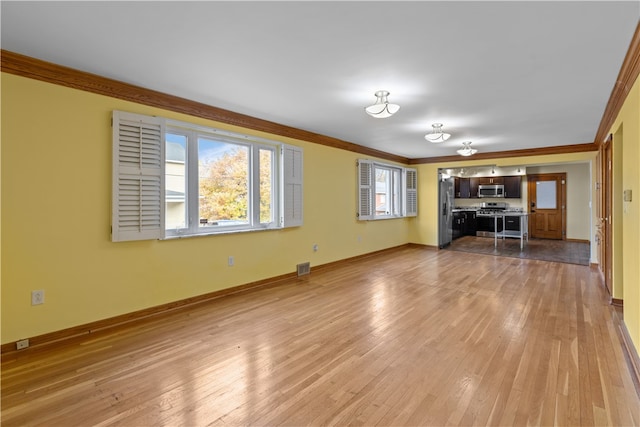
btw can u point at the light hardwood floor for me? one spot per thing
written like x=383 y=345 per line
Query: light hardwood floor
x=409 y=337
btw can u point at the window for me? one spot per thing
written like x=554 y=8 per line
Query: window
x=203 y=181
x=231 y=183
x=386 y=191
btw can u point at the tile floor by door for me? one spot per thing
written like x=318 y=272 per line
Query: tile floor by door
x=540 y=249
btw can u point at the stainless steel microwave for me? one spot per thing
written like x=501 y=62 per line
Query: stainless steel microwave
x=492 y=190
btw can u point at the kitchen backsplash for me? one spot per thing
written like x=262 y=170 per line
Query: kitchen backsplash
x=512 y=203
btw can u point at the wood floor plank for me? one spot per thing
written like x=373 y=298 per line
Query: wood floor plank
x=408 y=337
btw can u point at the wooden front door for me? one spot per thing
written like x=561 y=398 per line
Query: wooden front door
x=547 y=203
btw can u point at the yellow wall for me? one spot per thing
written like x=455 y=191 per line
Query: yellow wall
x=56 y=195
x=55 y=213
x=627 y=125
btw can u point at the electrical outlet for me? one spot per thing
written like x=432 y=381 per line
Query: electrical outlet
x=315 y=248
x=230 y=261
x=37 y=297
x=22 y=344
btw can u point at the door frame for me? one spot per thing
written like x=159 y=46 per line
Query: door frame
x=531 y=182
x=607 y=213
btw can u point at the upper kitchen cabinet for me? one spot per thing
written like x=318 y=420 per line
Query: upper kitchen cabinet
x=483 y=180
x=473 y=187
x=487 y=180
x=512 y=187
x=462 y=189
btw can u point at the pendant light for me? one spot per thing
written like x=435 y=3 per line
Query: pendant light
x=382 y=109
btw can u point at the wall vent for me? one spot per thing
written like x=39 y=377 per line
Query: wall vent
x=304 y=268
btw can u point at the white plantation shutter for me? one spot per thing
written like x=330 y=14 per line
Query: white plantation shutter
x=292 y=186
x=366 y=188
x=411 y=192
x=138 y=177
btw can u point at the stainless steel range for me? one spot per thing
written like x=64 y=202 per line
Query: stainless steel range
x=485 y=218
x=491 y=208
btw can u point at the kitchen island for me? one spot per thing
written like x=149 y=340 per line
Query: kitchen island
x=521 y=233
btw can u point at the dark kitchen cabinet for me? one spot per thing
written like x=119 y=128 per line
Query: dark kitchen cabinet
x=458 y=225
x=470 y=223
x=473 y=187
x=512 y=186
x=486 y=180
x=474 y=183
x=464 y=224
x=461 y=188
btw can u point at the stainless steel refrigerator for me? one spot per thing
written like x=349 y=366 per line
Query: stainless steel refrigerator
x=445 y=214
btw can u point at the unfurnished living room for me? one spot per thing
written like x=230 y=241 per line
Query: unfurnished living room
x=320 y=213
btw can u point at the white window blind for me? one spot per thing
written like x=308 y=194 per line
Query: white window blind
x=138 y=177
x=292 y=174
x=411 y=192
x=366 y=189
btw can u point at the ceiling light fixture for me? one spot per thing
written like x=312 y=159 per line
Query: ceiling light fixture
x=382 y=109
x=436 y=135
x=466 y=149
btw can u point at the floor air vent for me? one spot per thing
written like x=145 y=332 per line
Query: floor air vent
x=304 y=268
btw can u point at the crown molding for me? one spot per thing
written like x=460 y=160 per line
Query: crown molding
x=626 y=78
x=25 y=66
x=559 y=149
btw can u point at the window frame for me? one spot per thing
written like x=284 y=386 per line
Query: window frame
x=194 y=134
x=392 y=195
x=286 y=172
x=401 y=190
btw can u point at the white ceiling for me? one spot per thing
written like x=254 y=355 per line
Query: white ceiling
x=504 y=75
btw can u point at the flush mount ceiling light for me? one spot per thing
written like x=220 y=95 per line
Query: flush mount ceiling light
x=382 y=109
x=436 y=136
x=466 y=149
